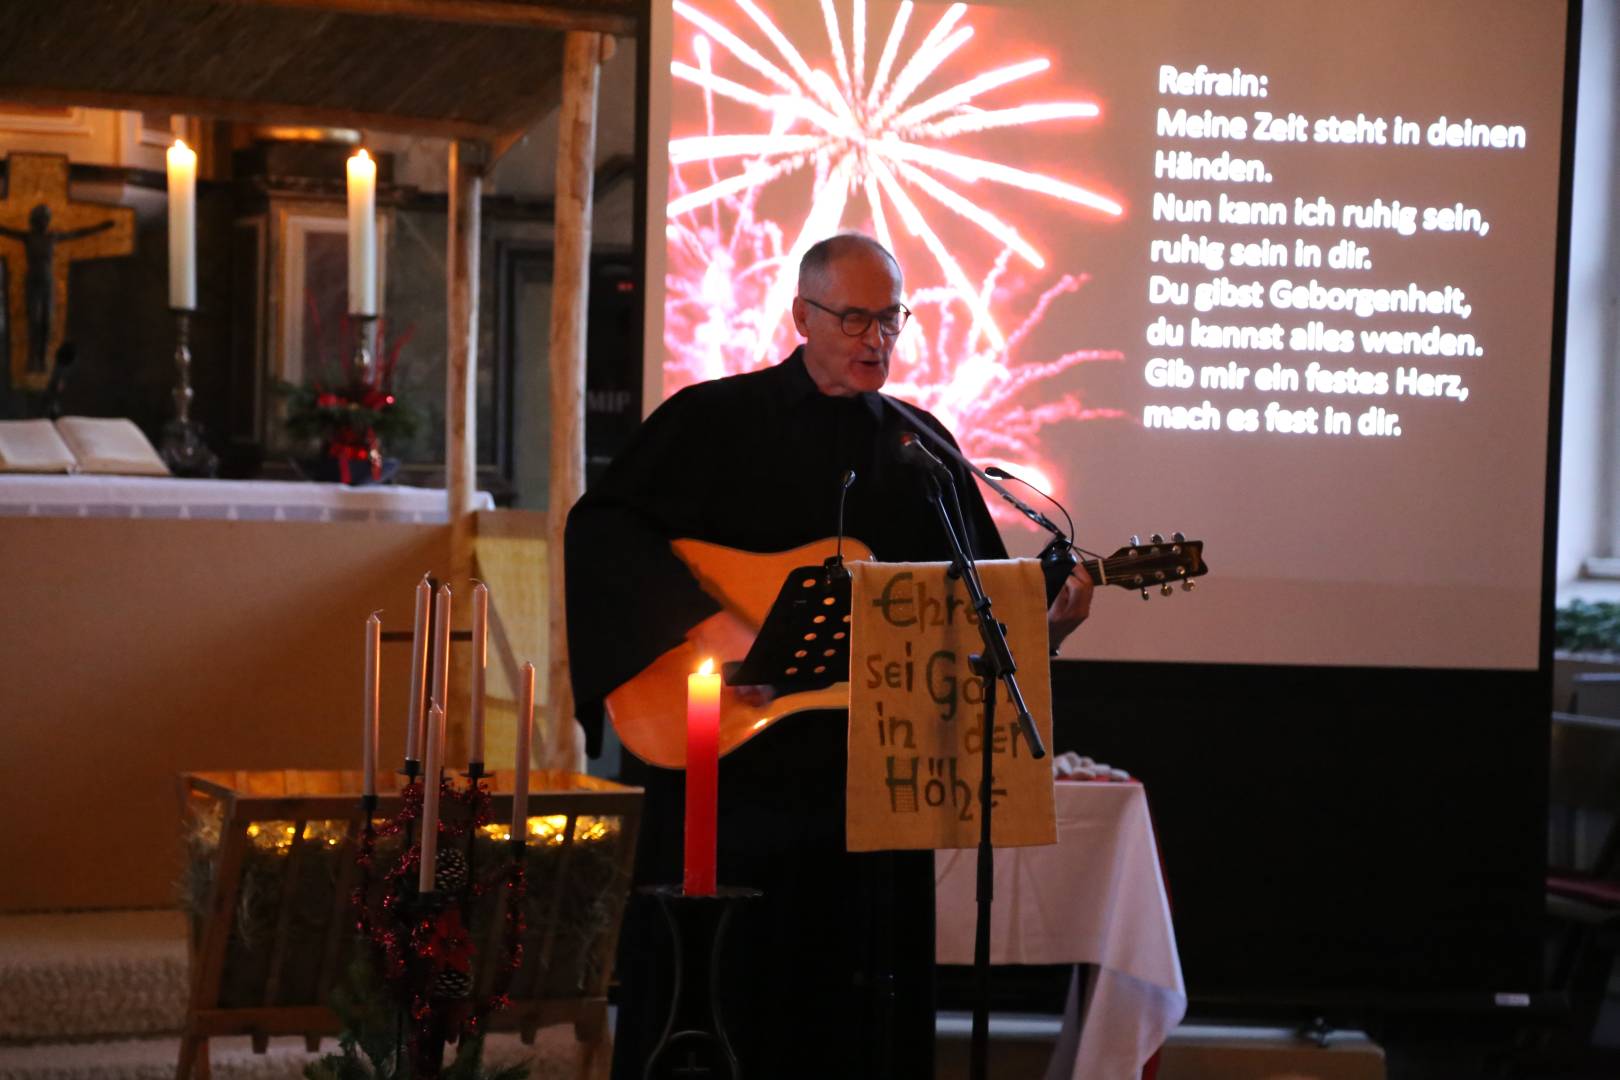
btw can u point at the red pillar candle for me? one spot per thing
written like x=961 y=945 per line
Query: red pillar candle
x=702 y=777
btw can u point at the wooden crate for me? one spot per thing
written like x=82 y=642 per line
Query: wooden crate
x=271 y=870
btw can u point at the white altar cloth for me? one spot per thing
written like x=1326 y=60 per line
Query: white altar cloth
x=1095 y=897
x=29 y=495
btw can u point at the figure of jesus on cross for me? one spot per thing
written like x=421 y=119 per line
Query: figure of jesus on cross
x=36 y=297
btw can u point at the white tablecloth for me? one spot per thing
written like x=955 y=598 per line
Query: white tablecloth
x=1095 y=897
x=28 y=495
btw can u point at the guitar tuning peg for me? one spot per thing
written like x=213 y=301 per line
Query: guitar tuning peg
x=1177 y=537
x=1156 y=538
x=1145 y=595
x=1187 y=586
x=1164 y=590
x=1136 y=541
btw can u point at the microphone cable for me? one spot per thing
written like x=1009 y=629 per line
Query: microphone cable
x=1002 y=474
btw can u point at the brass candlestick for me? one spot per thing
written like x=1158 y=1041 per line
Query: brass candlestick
x=183 y=449
x=364 y=363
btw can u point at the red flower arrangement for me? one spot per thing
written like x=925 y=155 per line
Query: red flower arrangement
x=349 y=410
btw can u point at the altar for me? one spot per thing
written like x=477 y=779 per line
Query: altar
x=156 y=626
x=150 y=497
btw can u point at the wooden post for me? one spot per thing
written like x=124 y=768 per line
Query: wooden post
x=571 y=277
x=461 y=257
x=461 y=387
x=461 y=371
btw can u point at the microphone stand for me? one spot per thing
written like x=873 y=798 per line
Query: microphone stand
x=996 y=662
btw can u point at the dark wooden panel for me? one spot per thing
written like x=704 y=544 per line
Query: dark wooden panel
x=268 y=61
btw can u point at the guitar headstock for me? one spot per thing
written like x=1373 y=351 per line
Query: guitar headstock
x=1159 y=562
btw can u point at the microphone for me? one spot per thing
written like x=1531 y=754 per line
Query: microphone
x=991 y=482
x=845 y=482
x=1057 y=557
x=913 y=452
x=1002 y=474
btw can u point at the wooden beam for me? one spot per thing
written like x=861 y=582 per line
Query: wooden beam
x=604 y=17
x=548 y=96
x=257 y=112
x=461 y=382
x=570 y=294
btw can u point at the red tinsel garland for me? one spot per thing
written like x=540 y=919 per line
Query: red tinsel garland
x=412 y=946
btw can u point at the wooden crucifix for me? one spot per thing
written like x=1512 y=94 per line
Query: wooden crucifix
x=42 y=231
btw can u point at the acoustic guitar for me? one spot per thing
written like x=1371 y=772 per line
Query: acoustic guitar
x=649 y=711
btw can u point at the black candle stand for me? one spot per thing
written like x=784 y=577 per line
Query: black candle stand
x=694 y=1045
x=424 y=1043
x=475 y=775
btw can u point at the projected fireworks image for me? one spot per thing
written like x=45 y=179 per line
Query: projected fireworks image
x=785 y=131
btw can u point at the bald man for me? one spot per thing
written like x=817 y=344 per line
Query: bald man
x=841 y=941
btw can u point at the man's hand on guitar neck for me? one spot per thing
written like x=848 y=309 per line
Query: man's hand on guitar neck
x=723 y=637
x=1070 y=607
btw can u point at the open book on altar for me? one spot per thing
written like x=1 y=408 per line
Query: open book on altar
x=78 y=444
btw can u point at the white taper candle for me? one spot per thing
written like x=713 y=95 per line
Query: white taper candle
x=525 y=729
x=370 y=720
x=441 y=647
x=182 y=161
x=430 y=800
x=362 y=175
x=480 y=661
x=417 y=705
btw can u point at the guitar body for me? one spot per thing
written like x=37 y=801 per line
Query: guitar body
x=649 y=711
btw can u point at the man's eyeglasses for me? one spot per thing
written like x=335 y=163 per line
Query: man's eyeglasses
x=855 y=321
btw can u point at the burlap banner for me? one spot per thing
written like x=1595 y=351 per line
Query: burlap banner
x=916 y=710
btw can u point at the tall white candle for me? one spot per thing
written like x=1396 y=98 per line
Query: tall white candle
x=370 y=720
x=182 y=226
x=417 y=704
x=430 y=800
x=525 y=728
x=362 y=234
x=441 y=647
x=480 y=661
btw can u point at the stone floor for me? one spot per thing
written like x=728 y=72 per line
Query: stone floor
x=100 y=995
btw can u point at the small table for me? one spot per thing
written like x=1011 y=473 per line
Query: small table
x=1096 y=897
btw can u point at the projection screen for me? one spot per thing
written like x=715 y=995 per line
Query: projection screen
x=1279 y=276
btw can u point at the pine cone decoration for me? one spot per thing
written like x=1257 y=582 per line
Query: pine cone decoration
x=451 y=984
x=450 y=871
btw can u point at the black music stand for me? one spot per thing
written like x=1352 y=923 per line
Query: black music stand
x=804 y=641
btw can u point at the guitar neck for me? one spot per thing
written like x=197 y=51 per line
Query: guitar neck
x=1154 y=563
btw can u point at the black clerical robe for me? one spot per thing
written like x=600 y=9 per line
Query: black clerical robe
x=841 y=942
